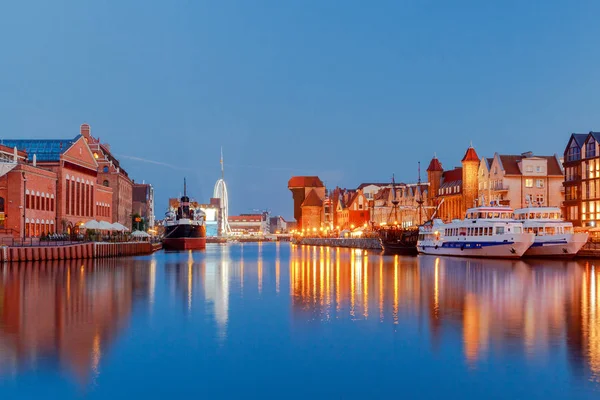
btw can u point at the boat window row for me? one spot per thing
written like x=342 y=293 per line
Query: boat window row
x=539 y=215
x=550 y=230
x=478 y=231
x=490 y=215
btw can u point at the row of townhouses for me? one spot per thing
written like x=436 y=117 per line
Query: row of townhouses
x=516 y=180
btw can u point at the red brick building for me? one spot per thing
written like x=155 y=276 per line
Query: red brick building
x=111 y=174
x=25 y=184
x=301 y=187
x=60 y=192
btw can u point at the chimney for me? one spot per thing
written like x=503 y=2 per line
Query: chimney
x=527 y=154
x=85 y=130
x=34 y=160
x=15 y=154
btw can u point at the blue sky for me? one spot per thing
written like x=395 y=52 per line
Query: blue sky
x=352 y=91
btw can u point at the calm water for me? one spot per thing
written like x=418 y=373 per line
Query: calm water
x=298 y=322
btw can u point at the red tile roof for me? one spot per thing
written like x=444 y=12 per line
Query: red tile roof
x=435 y=165
x=470 y=155
x=312 y=200
x=305 y=181
x=452 y=175
x=510 y=164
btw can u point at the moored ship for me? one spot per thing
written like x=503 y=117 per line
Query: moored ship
x=395 y=237
x=485 y=232
x=185 y=227
x=554 y=237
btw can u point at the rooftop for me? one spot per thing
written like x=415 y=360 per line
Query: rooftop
x=44 y=149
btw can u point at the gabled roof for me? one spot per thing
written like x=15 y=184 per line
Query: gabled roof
x=435 y=165
x=510 y=164
x=471 y=155
x=364 y=185
x=312 y=200
x=44 y=149
x=579 y=138
x=305 y=181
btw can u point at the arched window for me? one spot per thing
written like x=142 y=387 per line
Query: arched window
x=105 y=183
x=105 y=169
x=1 y=204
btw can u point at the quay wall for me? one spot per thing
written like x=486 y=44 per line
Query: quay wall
x=355 y=243
x=76 y=251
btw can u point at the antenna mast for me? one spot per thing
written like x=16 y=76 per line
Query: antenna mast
x=184 y=188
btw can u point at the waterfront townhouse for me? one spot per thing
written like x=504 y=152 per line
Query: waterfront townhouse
x=582 y=179
x=521 y=180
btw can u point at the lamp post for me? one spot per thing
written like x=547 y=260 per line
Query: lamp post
x=24 y=202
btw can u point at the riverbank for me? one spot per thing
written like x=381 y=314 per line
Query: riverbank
x=353 y=243
x=77 y=251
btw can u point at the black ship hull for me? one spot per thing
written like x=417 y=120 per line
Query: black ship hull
x=399 y=241
x=185 y=237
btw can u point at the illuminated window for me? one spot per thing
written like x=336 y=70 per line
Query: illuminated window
x=529 y=183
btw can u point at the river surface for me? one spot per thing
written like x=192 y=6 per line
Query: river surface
x=285 y=321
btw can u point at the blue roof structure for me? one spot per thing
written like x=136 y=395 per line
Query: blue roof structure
x=44 y=149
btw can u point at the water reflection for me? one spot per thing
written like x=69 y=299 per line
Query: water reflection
x=499 y=307
x=230 y=305
x=65 y=313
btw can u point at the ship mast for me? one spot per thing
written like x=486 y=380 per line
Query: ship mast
x=395 y=201
x=420 y=200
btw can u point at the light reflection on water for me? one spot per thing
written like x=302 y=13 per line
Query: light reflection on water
x=230 y=305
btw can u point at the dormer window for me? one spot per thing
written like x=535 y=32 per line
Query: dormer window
x=590 y=148
x=574 y=152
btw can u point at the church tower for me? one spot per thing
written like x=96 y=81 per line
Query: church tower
x=470 y=167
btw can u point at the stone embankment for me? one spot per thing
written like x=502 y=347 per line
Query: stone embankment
x=354 y=243
x=76 y=251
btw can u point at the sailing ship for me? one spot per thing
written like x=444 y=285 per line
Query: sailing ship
x=395 y=238
x=185 y=227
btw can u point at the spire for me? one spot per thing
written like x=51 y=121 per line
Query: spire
x=222 y=167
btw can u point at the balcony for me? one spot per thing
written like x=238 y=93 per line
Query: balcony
x=500 y=188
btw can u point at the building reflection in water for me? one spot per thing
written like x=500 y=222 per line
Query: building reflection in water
x=205 y=284
x=66 y=312
x=500 y=307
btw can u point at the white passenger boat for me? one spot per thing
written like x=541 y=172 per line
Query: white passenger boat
x=554 y=237
x=485 y=232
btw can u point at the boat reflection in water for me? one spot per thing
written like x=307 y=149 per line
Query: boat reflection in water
x=66 y=313
x=499 y=306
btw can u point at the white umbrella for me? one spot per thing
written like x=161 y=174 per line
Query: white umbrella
x=140 y=234
x=105 y=226
x=92 y=224
x=119 y=227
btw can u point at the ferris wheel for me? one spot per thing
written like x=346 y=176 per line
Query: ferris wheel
x=220 y=192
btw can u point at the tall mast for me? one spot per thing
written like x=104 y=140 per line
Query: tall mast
x=420 y=200
x=184 y=188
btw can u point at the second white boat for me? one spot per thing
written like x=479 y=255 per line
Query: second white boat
x=554 y=237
